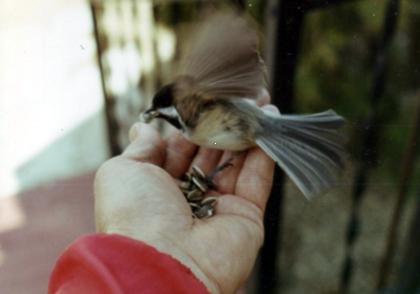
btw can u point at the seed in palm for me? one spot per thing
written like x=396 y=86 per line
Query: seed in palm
x=196 y=184
x=195 y=195
x=206 y=208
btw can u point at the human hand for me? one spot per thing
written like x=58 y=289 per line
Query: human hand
x=137 y=195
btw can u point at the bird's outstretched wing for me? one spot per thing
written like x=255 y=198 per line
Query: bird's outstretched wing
x=223 y=58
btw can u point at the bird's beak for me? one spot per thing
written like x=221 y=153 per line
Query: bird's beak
x=149 y=115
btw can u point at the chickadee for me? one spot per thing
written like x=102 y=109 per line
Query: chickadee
x=212 y=102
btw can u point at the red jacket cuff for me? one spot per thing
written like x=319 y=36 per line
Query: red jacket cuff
x=102 y=263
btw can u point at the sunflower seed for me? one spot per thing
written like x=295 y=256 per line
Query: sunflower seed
x=195 y=195
x=185 y=185
x=200 y=184
x=194 y=206
x=186 y=177
x=198 y=172
x=204 y=212
x=211 y=201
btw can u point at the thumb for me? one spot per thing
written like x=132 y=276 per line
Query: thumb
x=146 y=145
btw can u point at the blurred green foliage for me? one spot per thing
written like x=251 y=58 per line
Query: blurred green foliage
x=336 y=71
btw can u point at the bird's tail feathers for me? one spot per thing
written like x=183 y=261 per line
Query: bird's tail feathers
x=308 y=148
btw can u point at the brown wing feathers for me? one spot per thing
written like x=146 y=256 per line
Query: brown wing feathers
x=223 y=58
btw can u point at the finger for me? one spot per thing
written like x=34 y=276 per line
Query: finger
x=233 y=205
x=146 y=145
x=227 y=178
x=264 y=97
x=179 y=154
x=206 y=159
x=255 y=179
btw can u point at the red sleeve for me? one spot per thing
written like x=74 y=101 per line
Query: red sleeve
x=103 y=264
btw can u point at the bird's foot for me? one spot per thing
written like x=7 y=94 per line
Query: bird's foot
x=196 y=184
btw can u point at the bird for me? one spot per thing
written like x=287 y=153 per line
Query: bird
x=212 y=101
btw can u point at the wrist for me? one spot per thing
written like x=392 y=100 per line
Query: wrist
x=166 y=246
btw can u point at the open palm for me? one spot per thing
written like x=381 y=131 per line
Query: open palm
x=137 y=195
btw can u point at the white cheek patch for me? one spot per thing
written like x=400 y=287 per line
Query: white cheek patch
x=169 y=111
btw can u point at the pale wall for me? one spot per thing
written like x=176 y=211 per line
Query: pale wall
x=51 y=104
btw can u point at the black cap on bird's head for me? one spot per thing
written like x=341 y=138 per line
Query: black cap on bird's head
x=164 y=97
x=163 y=107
